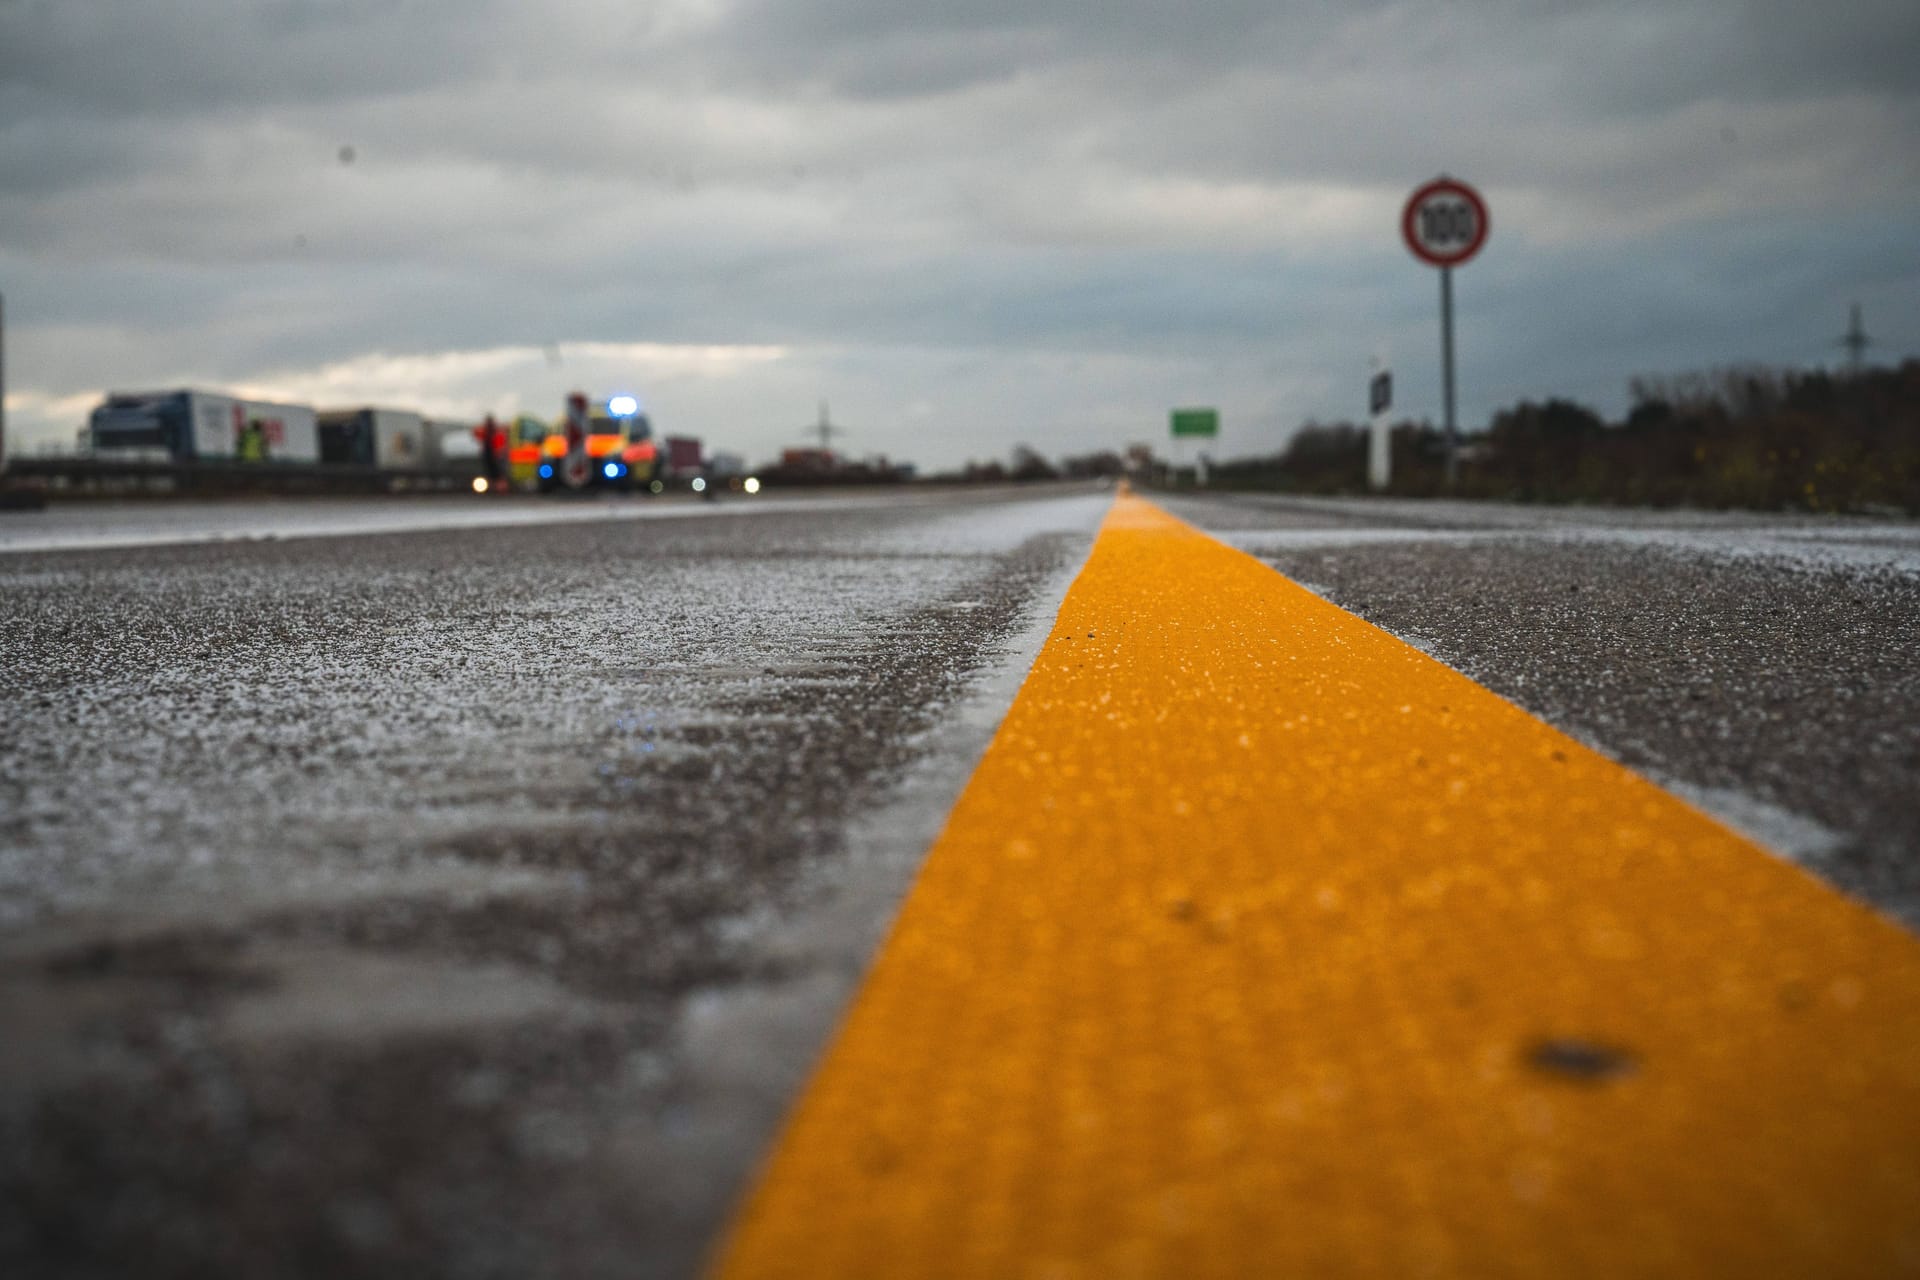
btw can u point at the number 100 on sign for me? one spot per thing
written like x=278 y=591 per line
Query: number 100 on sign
x=1445 y=223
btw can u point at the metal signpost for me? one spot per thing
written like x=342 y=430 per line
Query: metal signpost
x=1379 y=443
x=1204 y=423
x=1445 y=223
x=576 y=467
x=3 y=384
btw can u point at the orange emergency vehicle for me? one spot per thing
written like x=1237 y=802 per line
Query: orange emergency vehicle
x=606 y=445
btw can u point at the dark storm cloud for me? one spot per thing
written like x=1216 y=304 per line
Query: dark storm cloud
x=196 y=57
x=1234 y=88
x=873 y=48
x=1630 y=57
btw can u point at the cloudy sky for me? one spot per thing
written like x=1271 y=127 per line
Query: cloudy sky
x=966 y=225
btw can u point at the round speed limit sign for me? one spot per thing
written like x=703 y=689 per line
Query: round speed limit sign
x=1445 y=223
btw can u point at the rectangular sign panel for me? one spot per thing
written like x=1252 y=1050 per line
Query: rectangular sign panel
x=1196 y=422
x=1380 y=392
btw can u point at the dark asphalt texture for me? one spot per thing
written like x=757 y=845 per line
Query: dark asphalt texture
x=459 y=903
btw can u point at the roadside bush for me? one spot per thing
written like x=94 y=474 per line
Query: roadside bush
x=1738 y=437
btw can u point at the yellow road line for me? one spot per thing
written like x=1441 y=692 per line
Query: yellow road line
x=1260 y=943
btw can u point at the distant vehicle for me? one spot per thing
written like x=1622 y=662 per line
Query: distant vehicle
x=449 y=443
x=821 y=461
x=605 y=445
x=393 y=439
x=202 y=426
x=526 y=438
x=683 y=458
x=601 y=445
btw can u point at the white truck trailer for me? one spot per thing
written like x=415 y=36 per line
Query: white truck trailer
x=391 y=439
x=201 y=426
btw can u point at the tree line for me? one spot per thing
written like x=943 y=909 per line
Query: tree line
x=1748 y=437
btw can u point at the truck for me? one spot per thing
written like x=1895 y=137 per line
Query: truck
x=450 y=445
x=389 y=439
x=683 y=460
x=202 y=426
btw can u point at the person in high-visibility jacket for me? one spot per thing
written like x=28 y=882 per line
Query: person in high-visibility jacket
x=252 y=444
x=492 y=438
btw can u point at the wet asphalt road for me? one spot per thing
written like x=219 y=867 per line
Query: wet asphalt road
x=468 y=901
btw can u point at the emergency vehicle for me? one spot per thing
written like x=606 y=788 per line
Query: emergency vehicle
x=526 y=438
x=606 y=445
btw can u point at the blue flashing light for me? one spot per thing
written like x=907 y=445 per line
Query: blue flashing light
x=623 y=406
x=611 y=470
x=546 y=471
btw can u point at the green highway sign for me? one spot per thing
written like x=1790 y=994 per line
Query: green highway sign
x=1196 y=422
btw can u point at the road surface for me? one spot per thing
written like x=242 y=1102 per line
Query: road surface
x=1760 y=666
x=467 y=889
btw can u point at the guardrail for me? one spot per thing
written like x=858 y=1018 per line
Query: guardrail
x=108 y=477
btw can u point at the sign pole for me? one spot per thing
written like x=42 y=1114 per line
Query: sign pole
x=1192 y=422
x=1444 y=223
x=1446 y=373
x=3 y=384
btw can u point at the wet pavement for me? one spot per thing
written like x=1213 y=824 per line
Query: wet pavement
x=466 y=902
x=467 y=896
x=1762 y=667
x=112 y=524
